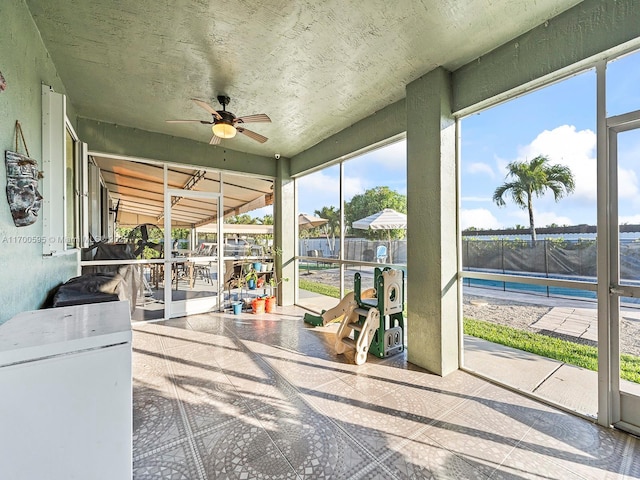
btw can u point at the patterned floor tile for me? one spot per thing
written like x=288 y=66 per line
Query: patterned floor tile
x=422 y=458
x=156 y=419
x=578 y=445
x=312 y=444
x=150 y=369
x=473 y=439
x=384 y=421
x=333 y=398
x=172 y=337
x=395 y=370
x=194 y=360
x=512 y=404
x=209 y=400
x=527 y=465
x=242 y=451
x=175 y=463
x=453 y=389
x=370 y=384
x=301 y=373
x=235 y=353
x=376 y=422
x=268 y=350
x=258 y=384
x=145 y=337
x=223 y=396
x=206 y=323
x=630 y=456
x=502 y=412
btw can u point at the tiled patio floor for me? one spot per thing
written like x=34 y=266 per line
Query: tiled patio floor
x=223 y=396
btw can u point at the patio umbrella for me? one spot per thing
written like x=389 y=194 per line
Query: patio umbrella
x=387 y=219
x=306 y=221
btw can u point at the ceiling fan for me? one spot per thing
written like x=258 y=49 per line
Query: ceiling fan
x=225 y=124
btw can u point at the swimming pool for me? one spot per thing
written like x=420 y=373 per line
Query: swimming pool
x=541 y=290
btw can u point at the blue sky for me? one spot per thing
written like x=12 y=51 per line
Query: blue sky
x=383 y=166
x=558 y=121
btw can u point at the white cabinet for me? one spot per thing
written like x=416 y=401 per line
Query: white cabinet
x=66 y=394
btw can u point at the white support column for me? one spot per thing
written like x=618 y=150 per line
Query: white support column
x=285 y=231
x=606 y=410
x=342 y=229
x=53 y=165
x=432 y=292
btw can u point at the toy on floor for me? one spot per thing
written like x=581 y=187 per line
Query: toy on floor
x=337 y=313
x=377 y=323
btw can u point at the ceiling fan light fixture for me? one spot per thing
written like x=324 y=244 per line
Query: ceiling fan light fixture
x=224 y=130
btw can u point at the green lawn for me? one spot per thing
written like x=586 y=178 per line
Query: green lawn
x=320 y=288
x=584 y=356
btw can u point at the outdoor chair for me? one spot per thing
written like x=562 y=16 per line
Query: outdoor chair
x=203 y=269
x=381 y=254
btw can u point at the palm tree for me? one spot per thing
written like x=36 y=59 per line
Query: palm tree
x=534 y=178
x=331 y=227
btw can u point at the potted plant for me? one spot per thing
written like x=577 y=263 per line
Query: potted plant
x=258 y=305
x=269 y=304
x=251 y=279
x=271 y=299
x=273 y=285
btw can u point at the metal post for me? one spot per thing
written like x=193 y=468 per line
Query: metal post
x=504 y=284
x=546 y=262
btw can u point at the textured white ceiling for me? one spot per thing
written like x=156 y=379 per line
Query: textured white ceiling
x=315 y=67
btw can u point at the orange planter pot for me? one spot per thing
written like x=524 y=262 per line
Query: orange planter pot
x=270 y=304
x=258 y=305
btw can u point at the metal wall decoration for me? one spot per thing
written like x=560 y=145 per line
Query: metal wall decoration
x=24 y=198
x=3 y=83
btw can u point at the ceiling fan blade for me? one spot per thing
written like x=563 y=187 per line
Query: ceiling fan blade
x=215 y=140
x=255 y=136
x=189 y=121
x=144 y=232
x=257 y=118
x=207 y=107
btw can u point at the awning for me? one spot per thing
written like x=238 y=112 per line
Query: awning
x=136 y=189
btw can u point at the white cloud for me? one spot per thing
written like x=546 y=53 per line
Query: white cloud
x=627 y=184
x=390 y=157
x=575 y=149
x=480 y=167
x=519 y=216
x=542 y=219
x=317 y=190
x=479 y=218
x=630 y=219
x=354 y=185
x=501 y=165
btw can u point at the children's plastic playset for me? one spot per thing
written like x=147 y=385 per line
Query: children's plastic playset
x=371 y=321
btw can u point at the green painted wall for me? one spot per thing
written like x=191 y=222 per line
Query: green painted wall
x=432 y=295
x=384 y=124
x=118 y=140
x=25 y=276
